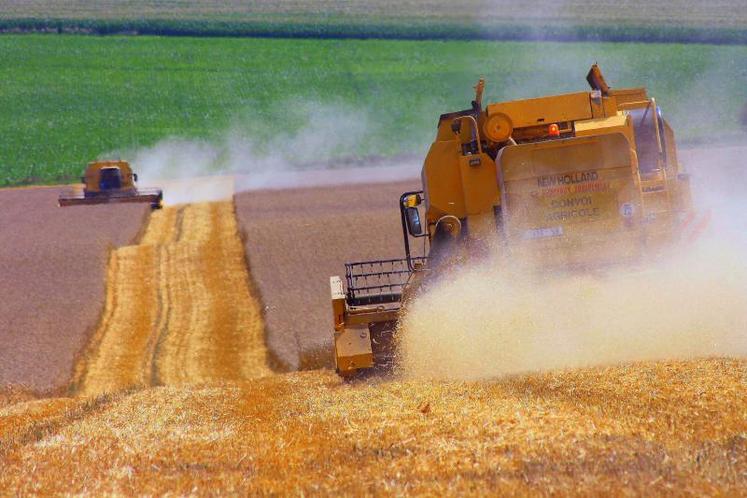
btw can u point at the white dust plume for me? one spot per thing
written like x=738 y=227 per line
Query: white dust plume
x=208 y=170
x=484 y=322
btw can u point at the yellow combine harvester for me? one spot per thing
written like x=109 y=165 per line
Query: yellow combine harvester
x=572 y=181
x=110 y=182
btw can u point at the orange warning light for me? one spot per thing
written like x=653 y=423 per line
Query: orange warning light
x=553 y=130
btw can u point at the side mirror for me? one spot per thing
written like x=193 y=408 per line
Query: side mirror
x=413 y=221
x=134 y=177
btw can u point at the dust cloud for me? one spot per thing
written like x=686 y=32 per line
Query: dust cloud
x=483 y=322
x=194 y=170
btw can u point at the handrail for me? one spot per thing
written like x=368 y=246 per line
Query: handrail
x=475 y=131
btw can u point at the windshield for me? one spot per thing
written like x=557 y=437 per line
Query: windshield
x=111 y=179
x=647 y=146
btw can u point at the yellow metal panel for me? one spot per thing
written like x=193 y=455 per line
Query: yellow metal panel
x=353 y=348
x=610 y=106
x=626 y=95
x=563 y=196
x=618 y=123
x=338 y=302
x=544 y=110
x=479 y=183
x=442 y=180
x=566 y=155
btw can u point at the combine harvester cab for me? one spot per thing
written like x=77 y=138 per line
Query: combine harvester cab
x=108 y=182
x=571 y=182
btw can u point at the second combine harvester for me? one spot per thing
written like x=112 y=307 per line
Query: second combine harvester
x=572 y=181
x=110 y=182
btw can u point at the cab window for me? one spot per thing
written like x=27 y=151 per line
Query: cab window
x=647 y=146
x=111 y=179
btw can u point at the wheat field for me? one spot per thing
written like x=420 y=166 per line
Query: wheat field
x=174 y=396
x=645 y=429
x=178 y=309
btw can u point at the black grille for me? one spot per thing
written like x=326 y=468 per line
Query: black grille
x=377 y=282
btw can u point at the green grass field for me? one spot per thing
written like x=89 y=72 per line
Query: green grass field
x=69 y=99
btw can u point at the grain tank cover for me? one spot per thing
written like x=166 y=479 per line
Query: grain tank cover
x=574 y=199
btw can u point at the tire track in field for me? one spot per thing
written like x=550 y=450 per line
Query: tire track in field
x=162 y=234
x=178 y=308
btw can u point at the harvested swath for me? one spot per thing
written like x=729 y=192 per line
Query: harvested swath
x=178 y=307
x=644 y=428
x=296 y=239
x=214 y=326
x=52 y=268
x=121 y=349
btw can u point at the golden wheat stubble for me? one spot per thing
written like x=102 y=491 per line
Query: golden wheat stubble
x=179 y=309
x=216 y=330
x=117 y=362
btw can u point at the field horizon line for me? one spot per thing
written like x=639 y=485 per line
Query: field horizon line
x=400 y=30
